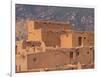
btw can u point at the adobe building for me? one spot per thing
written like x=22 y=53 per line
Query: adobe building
x=54 y=46
x=62 y=34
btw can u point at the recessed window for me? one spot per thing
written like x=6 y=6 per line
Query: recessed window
x=16 y=49
x=71 y=55
x=77 y=53
x=79 y=41
x=88 y=52
x=84 y=37
x=91 y=48
x=18 y=53
x=34 y=59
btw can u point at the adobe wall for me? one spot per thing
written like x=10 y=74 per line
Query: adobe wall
x=50 y=38
x=33 y=34
x=50 y=59
x=86 y=55
x=46 y=31
x=87 y=39
x=60 y=57
x=18 y=47
x=51 y=34
x=21 y=60
x=66 y=48
x=21 y=63
x=66 y=40
x=52 y=25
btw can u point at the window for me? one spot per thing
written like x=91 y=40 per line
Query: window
x=18 y=53
x=88 y=52
x=16 y=49
x=84 y=37
x=77 y=53
x=34 y=59
x=71 y=55
x=93 y=55
x=80 y=41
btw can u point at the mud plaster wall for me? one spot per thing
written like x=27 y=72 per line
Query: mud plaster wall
x=59 y=58
x=87 y=39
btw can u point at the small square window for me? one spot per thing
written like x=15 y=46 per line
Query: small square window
x=34 y=59
x=88 y=52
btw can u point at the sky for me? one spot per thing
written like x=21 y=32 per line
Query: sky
x=82 y=18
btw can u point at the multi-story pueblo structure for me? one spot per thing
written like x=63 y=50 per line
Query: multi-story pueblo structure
x=54 y=46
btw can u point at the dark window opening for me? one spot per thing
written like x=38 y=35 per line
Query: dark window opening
x=18 y=53
x=88 y=52
x=16 y=49
x=80 y=41
x=84 y=37
x=91 y=48
x=34 y=59
x=71 y=55
x=77 y=53
x=93 y=56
